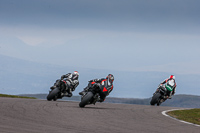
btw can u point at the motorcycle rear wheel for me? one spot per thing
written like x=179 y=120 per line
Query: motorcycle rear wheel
x=86 y=99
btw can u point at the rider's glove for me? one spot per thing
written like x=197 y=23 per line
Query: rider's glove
x=90 y=81
x=159 y=85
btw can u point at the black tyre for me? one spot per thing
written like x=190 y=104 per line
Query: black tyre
x=53 y=94
x=155 y=99
x=55 y=98
x=86 y=99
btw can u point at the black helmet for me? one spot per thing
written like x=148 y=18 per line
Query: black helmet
x=110 y=77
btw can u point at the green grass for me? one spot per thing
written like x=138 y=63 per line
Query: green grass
x=14 y=96
x=191 y=115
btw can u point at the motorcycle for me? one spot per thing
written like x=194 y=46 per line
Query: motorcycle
x=58 y=91
x=92 y=95
x=160 y=95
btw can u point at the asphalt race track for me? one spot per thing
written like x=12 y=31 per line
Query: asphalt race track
x=41 y=116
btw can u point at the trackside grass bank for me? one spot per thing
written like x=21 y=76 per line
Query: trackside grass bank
x=14 y=96
x=192 y=115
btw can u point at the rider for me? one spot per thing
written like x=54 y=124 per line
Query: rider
x=72 y=82
x=170 y=84
x=101 y=82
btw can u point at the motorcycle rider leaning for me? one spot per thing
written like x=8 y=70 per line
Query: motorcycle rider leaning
x=72 y=82
x=98 y=83
x=170 y=84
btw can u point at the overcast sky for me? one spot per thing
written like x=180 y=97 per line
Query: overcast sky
x=129 y=35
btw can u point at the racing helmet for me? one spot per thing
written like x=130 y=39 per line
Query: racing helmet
x=110 y=77
x=75 y=73
x=172 y=77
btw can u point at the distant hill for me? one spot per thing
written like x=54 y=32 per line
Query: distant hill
x=184 y=101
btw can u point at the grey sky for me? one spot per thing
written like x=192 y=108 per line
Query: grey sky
x=123 y=15
x=132 y=35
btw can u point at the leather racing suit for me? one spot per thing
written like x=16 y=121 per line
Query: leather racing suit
x=71 y=83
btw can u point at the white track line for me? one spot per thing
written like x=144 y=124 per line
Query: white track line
x=165 y=114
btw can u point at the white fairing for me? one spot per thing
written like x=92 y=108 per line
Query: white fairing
x=171 y=82
x=70 y=76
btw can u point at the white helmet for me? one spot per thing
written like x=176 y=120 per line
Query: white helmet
x=76 y=73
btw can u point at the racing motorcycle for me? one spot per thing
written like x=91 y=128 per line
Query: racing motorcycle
x=92 y=95
x=160 y=95
x=58 y=91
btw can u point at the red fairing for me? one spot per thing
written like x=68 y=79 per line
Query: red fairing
x=104 y=89
x=93 y=83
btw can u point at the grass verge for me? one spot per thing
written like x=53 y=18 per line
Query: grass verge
x=191 y=115
x=14 y=96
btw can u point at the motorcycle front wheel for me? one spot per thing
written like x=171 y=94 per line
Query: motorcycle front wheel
x=85 y=100
x=53 y=94
x=155 y=99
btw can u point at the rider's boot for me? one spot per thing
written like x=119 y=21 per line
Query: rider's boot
x=100 y=100
x=68 y=93
x=170 y=97
x=84 y=91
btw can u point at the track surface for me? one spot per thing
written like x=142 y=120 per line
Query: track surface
x=41 y=116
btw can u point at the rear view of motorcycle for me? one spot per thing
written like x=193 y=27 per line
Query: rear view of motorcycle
x=57 y=92
x=160 y=95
